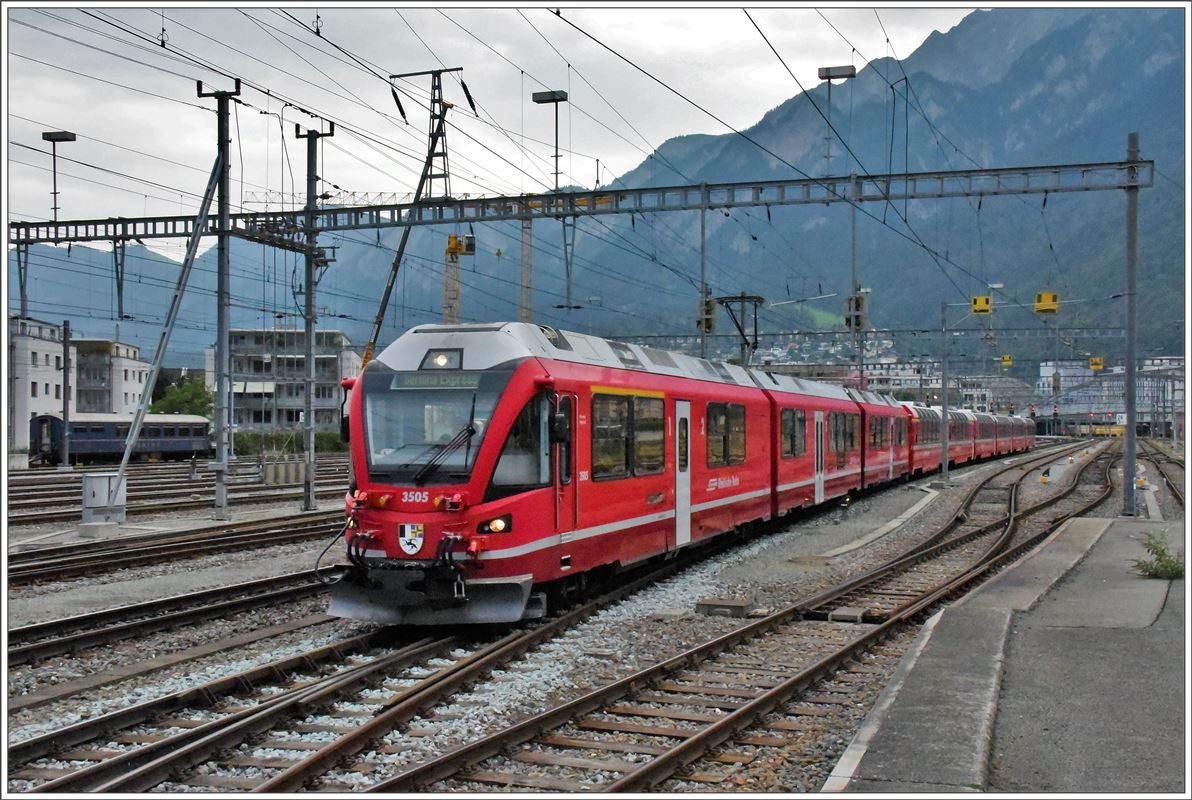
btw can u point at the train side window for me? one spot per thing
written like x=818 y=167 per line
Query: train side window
x=800 y=432
x=787 y=427
x=648 y=437
x=682 y=444
x=525 y=457
x=736 y=433
x=567 y=409
x=717 y=427
x=610 y=436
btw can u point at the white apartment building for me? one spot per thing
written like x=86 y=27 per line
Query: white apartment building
x=269 y=374
x=111 y=376
x=35 y=372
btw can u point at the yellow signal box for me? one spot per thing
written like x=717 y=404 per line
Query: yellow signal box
x=1007 y=360
x=455 y=244
x=1047 y=302
x=982 y=304
x=1096 y=363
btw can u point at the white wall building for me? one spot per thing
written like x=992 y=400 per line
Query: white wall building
x=269 y=373
x=111 y=376
x=35 y=375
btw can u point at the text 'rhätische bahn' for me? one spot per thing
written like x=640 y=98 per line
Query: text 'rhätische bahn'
x=498 y=466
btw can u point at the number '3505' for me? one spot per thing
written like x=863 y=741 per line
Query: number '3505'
x=415 y=497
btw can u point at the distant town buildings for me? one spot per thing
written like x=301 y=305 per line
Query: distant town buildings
x=269 y=374
x=35 y=372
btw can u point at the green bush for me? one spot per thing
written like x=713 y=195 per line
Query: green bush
x=1162 y=564
x=252 y=443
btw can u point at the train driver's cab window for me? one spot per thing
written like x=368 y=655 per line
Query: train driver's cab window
x=525 y=457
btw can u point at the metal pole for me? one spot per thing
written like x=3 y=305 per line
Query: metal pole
x=309 y=503
x=703 y=271
x=23 y=277
x=944 y=394
x=223 y=356
x=54 y=150
x=66 y=393
x=1128 y=464
x=854 y=289
x=556 y=147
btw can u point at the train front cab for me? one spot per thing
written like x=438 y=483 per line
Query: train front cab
x=572 y=469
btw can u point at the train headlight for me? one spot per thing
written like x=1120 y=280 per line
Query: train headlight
x=442 y=359
x=501 y=524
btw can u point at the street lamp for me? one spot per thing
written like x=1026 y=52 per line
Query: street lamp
x=555 y=96
x=53 y=137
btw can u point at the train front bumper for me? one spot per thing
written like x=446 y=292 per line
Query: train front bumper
x=432 y=595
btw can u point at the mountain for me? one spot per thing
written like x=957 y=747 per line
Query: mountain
x=1004 y=87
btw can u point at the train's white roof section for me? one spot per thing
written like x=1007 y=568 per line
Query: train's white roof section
x=486 y=345
x=489 y=344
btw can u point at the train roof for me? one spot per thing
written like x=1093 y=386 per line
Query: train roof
x=526 y=339
x=160 y=419
x=505 y=341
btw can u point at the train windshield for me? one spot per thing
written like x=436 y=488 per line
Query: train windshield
x=416 y=423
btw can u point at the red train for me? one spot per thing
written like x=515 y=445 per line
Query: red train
x=499 y=467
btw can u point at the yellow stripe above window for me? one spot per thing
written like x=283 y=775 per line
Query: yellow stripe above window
x=626 y=391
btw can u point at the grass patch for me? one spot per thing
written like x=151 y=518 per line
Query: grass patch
x=1162 y=564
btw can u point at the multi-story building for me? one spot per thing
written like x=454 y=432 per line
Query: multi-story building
x=269 y=374
x=35 y=372
x=111 y=376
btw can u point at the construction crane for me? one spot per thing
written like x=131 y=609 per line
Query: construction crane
x=456 y=246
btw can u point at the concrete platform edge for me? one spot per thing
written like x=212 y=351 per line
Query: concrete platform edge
x=1013 y=591
x=846 y=767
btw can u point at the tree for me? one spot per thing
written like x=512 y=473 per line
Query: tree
x=186 y=397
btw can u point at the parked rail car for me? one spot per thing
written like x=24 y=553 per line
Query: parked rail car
x=499 y=467
x=97 y=438
x=985 y=440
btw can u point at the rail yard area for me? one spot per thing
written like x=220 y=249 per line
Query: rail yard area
x=926 y=636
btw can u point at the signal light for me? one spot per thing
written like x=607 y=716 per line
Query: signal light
x=501 y=524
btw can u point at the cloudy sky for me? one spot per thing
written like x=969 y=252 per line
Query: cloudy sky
x=146 y=142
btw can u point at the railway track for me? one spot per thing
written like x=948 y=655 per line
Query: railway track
x=1171 y=470
x=58 y=562
x=325 y=488
x=242 y=733
x=32 y=643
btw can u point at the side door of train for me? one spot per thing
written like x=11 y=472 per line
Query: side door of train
x=819 y=457
x=682 y=472
x=563 y=433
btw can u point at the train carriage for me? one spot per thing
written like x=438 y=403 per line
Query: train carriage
x=884 y=422
x=815 y=459
x=985 y=441
x=96 y=437
x=960 y=436
x=925 y=438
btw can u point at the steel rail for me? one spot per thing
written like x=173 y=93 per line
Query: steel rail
x=71 y=634
x=149 y=765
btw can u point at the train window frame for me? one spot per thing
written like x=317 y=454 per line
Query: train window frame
x=599 y=402
x=638 y=405
x=533 y=446
x=736 y=411
x=682 y=444
x=786 y=428
x=717 y=411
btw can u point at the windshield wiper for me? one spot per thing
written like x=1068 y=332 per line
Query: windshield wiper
x=462 y=437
